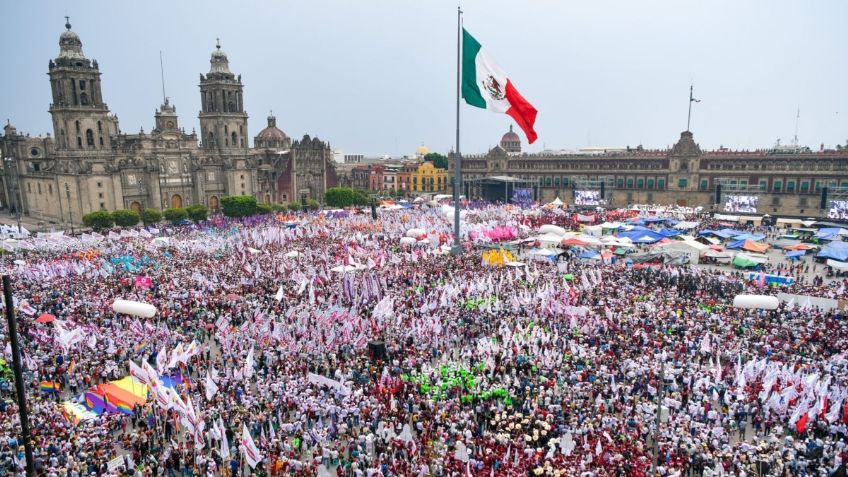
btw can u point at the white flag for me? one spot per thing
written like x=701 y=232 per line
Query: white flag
x=279 y=295
x=225 y=446
x=248 y=365
x=138 y=373
x=211 y=387
x=251 y=452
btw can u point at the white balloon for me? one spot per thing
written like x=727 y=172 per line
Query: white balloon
x=766 y=302
x=134 y=308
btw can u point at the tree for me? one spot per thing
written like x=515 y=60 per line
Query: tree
x=176 y=214
x=361 y=197
x=151 y=216
x=312 y=204
x=437 y=159
x=238 y=205
x=340 y=197
x=197 y=212
x=264 y=209
x=125 y=217
x=98 y=220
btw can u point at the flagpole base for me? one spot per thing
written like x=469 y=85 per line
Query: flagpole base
x=456 y=250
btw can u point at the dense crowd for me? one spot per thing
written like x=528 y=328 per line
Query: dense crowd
x=551 y=367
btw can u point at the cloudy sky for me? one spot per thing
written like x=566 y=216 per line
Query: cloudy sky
x=378 y=76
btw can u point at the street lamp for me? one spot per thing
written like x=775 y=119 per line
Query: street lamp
x=70 y=209
x=303 y=201
x=19 y=198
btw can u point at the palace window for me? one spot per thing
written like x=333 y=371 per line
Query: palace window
x=776 y=185
x=682 y=183
x=650 y=183
x=790 y=186
x=705 y=184
x=661 y=184
x=805 y=186
x=629 y=183
x=640 y=183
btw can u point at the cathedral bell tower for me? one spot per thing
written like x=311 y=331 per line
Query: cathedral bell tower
x=81 y=120
x=223 y=122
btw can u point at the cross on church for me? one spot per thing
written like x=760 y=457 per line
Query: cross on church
x=67 y=22
x=218 y=43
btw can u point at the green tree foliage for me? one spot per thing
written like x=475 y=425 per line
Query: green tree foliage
x=126 y=217
x=437 y=159
x=98 y=220
x=312 y=204
x=238 y=205
x=361 y=197
x=197 y=212
x=151 y=216
x=264 y=208
x=176 y=214
x=340 y=197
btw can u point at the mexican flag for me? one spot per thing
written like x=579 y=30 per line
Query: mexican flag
x=485 y=85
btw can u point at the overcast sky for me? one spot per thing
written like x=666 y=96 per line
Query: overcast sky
x=379 y=77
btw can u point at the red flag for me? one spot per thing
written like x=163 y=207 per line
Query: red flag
x=801 y=424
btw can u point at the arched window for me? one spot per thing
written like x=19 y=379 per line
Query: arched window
x=77 y=126
x=101 y=141
x=79 y=142
x=99 y=127
x=84 y=99
x=211 y=138
x=234 y=140
x=89 y=137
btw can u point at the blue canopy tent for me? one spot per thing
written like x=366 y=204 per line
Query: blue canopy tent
x=669 y=232
x=642 y=236
x=830 y=233
x=735 y=244
x=589 y=254
x=795 y=254
x=835 y=250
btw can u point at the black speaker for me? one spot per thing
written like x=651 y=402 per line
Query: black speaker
x=718 y=194
x=377 y=350
x=603 y=189
x=823 y=202
x=373 y=210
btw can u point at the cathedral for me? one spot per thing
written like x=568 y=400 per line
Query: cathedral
x=89 y=164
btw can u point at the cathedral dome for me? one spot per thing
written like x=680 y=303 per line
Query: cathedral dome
x=422 y=150
x=271 y=136
x=510 y=136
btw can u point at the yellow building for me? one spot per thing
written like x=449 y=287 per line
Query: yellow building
x=428 y=178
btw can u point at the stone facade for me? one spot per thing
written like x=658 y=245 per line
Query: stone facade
x=89 y=164
x=787 y=181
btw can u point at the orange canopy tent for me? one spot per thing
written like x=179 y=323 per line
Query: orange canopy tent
x=800 y=246
x=752 y=246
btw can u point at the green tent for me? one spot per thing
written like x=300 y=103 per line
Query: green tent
x=620 y=251
x=743 y=262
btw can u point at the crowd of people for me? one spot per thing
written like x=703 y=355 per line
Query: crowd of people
x=272 y=333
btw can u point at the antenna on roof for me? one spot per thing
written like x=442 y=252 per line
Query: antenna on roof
x=162 y=74
x=797 y=118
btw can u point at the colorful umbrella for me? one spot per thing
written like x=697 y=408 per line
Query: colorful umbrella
x=45 y=318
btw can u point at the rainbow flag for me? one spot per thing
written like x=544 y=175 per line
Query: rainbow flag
x=141 y=347
x=49 y=387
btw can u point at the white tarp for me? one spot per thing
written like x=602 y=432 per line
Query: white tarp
x=837 y=264
x=807 y=301
x=330 y=383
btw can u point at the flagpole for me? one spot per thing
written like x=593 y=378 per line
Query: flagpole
x=457 y=171
x=689 y=118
